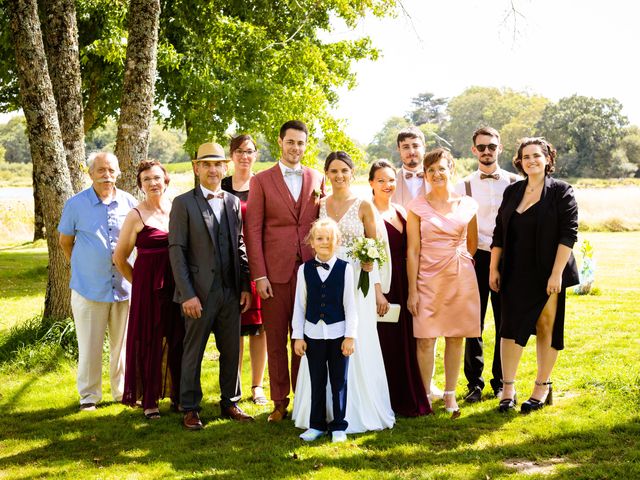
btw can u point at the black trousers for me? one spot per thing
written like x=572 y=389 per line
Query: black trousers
x=220 y=315
x=473 y=351
x=320 y=355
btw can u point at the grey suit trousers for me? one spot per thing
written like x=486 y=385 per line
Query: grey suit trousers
x=220 y=315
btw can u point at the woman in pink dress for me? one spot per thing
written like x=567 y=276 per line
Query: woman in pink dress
x=442 y=236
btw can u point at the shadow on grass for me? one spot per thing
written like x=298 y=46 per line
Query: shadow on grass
x=224 y=449
x=116 y=440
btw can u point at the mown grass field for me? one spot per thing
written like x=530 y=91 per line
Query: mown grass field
x=592 y=431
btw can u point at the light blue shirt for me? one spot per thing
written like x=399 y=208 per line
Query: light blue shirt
x=96 y=227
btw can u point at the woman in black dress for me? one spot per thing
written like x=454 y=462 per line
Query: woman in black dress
x=531 y=266
x=407 y=392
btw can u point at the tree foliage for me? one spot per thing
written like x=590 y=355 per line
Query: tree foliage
x=514 y=114
x=13 y=137
x=586 y=132
x=427 y=108
x=239 y=65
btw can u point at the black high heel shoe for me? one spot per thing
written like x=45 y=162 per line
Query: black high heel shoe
x=507 y=404
x=535 y=404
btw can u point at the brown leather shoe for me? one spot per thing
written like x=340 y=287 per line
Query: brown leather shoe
x=279 y=413
x=191 y=421
x=235 y=413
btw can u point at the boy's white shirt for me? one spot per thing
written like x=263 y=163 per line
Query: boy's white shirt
x=322 y=331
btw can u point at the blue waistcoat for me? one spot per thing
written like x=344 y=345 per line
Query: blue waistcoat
x=324 y=299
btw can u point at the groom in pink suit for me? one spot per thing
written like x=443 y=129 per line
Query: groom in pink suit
x=283 y=203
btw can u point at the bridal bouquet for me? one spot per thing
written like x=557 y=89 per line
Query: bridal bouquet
x=366 y=250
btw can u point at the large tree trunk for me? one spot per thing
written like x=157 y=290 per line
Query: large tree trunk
x=38 y=218
x=47 y=151
x=60 y=32
x=136 y=106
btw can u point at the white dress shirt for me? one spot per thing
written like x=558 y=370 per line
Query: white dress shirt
x=215 y=203
x=488 y=193
x=414 y=183
x=322 y=331
x=294 y=182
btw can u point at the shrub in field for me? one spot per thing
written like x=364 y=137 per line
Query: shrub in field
x=15 y=174
x=38 y=341
x=615 y=224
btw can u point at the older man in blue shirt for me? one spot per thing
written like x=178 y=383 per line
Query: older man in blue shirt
x=89 y=230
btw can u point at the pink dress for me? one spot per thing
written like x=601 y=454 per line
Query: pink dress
x=449 y=301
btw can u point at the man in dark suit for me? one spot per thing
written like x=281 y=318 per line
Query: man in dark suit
x=212 y=282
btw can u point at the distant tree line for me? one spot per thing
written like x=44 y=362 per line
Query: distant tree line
x=592 y=136
x=165 y=145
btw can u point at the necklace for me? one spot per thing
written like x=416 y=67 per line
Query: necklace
x=334 y=212
x=532 y=188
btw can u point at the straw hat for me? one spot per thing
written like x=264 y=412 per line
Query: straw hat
x=210 y=152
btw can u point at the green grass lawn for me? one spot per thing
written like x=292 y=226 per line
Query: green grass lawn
x=592 y=431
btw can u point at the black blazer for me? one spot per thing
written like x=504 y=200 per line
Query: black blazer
x=192 y=245
x=557 y=220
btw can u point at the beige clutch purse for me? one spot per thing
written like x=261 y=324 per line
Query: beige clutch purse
x=392 y=314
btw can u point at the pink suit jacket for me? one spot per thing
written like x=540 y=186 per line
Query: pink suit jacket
x=402 y=194
x=274 y=234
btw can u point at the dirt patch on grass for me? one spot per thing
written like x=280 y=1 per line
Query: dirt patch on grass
x=538 y=467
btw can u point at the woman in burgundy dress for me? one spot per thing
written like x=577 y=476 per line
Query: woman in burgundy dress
x=156 y=330
x=244 y=153
x=408 y=395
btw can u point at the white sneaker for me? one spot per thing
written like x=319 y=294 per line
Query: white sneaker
x=311 y=434
x=338 y=436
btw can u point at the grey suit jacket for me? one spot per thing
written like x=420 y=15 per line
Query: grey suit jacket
x=192 y=245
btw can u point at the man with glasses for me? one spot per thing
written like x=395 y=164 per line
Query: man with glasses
x=486 y=185
x=410 y=178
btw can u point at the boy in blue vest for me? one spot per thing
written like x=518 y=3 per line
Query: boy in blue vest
x=324 y=328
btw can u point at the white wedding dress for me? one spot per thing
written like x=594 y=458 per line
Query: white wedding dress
x=368 y=403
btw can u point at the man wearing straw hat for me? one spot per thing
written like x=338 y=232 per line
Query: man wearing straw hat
x=212 y=282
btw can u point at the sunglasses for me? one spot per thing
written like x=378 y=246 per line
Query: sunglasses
x=492 y=147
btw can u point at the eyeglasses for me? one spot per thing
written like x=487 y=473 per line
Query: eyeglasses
x=244 y=152
x=492 y=147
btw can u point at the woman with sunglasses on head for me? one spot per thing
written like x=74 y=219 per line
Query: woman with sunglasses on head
x=368 y=402
x=442 y=236
x=244 y=153
x=156 y=329
x=531 y=266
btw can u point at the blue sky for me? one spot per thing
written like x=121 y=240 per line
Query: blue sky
x=555 y=49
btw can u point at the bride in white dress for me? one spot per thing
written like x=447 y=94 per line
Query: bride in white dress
x=368 y=403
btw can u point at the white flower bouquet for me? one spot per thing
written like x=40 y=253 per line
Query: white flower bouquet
x=367 y=250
